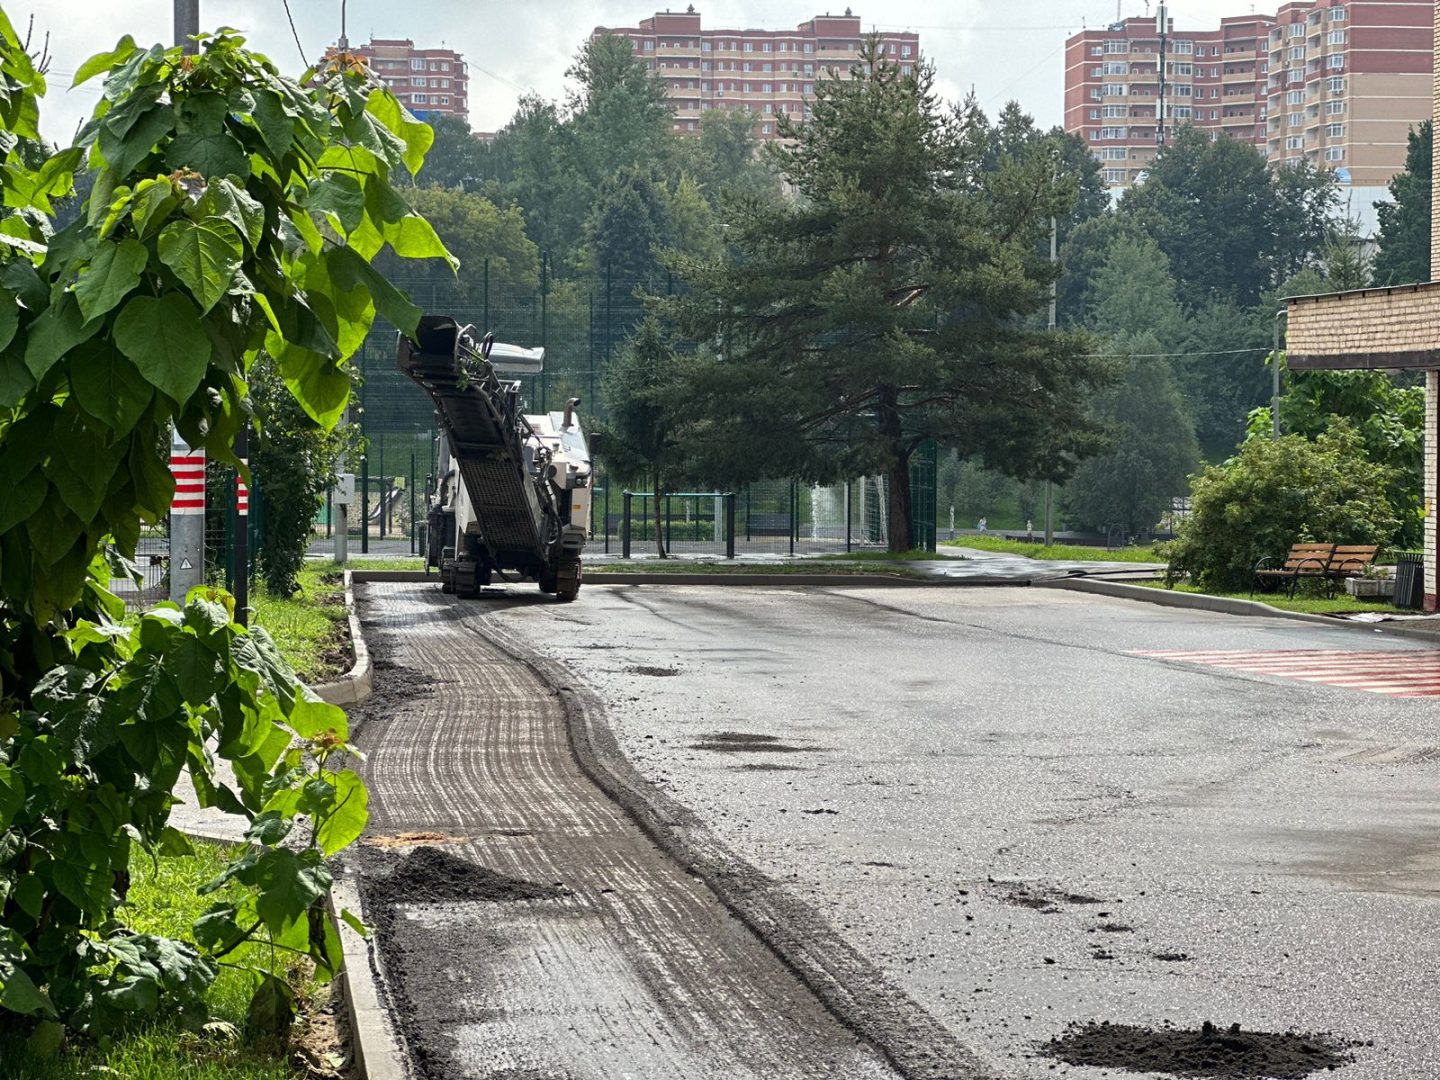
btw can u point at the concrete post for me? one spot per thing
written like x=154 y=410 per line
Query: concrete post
x=187 y=519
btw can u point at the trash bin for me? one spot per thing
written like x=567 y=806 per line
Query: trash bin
x=1409 y=579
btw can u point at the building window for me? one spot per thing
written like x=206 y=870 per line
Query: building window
x=1112 y=133
x=1113 y=153
x=1337 y=14
x=445 y=99
x=1335 y=131
x=1117 y=45
x=809 y=88
x=1337 y=37
x=1181 y=112
x=1297 y=29
x=1335 y=86
x=1117 y=69
x=1296 y=97
x=1297 y=52
x=1094 y=114
x=1334 y=153
x=904 y=52
x=1335 y=61
x=417 y=65
x=1297 y=119
x=649 y=46
x=768 y=129
x=1097 y=72
x=1184 y=48
x=421 y=99
x=768 y=47
x=1097 y=50
x=705 y=46
x=745 y=87
x=766 y=88
x=1115 y=176
x=1295 y=142
x=749 y=46
x=1113 y=90
x=1116 y=112
x=809 y=46
x=1182 y=69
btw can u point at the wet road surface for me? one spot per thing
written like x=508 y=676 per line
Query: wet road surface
x=993 y=794
x=639 y=972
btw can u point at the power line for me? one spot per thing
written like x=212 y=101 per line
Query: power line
x=1172 y=355
x=304 y=59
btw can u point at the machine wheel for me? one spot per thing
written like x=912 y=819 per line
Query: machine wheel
x=447 y=578
x=567 y=579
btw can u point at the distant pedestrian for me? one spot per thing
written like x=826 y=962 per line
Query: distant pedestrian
x=1029 y=531
x=982 y=525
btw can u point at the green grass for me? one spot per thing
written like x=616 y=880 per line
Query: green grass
x=163 y=901
x=1344 y=604
x=1057 y=551
x=311 y=627
x=403 y=562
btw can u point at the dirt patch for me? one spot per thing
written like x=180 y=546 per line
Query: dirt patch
x=1210 y=1051
x=757 y=766
x=430 y=875
x=1046 y=900
x=657 y=672
x=1116 y=928
x=392 y=687
x=1172 y=957
x=409 y=839
x=745 y=742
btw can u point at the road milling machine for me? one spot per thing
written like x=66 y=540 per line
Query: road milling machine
x=512 y=495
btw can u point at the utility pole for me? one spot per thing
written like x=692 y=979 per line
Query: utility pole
x=1054 y=302
x=344 y=41
x=1162 y=25
x=187 y=23
x=1275 y=377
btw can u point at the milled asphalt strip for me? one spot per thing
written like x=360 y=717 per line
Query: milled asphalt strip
x=637 y=971
x=850 y=986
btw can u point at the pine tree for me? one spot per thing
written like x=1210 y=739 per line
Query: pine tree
x=889 y=303
x=1404 y=241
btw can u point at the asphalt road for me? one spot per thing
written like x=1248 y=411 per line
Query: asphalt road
x=1026 y=823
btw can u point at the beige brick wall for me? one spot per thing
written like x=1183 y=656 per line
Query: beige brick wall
x=1377 y=321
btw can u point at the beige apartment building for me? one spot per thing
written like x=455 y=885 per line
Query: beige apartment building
x=768 y=73
x=1337 y=83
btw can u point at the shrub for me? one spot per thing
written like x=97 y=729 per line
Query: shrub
x=1277 y=493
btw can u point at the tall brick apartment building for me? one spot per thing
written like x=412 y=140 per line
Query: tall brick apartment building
x=1338 y=83
x=1395 y=328
x=428 y=82
x=769 y=72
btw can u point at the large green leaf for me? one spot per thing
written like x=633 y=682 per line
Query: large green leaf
x=204 y=257
x=211 y=154
x=289 y=884
x=12 y=795
x=152 y=204
x=276 y=126
x=319 y=385
x=341 y=198
x=102 y=62
x=164 y=339
x=59 y=329
x=108 y=386
x=349 y=270
x=113 y=273
x=311 y=718
x=417 y=136
x=9 y=317
x=199 y=671
x=348 y=818
x=407 y=232
x=18 y=992
x=126 y=144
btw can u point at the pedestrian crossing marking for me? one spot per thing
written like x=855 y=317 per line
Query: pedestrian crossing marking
x=1397 y=673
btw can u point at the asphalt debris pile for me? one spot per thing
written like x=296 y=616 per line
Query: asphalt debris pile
x=1047 y=901
x=1213 y=1052
x=655 y=672
x=430 y=875
x=745 y=742
x=393 y=686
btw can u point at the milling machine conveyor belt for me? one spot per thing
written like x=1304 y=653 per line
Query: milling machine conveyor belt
x=477 y=415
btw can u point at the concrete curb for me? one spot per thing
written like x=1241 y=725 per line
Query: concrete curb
x=854 y=581
x=846 y=982
x=354 y=685
x=375 y=1043
x=1227 y=605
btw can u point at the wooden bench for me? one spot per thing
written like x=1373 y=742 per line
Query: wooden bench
x=1304 y=561
x=1350 y=560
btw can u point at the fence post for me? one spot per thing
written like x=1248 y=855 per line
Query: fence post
x=669 y=519
x=605 y=517
x=625 y=528
x=730 y=525
x=747 y=513
x=848 y=484
x=384 y=489
x=544 y=328
x=793 y=524
x=364 y=504
x=485 y=300
x=412 y=503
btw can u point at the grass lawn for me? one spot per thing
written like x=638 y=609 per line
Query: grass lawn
x=1343 y=604
x=311 y=627
x=403 y=562
x=1057 y=551
x=163 y=901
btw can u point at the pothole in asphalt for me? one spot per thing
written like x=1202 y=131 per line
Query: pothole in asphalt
x=429 y=875
x=1172 y=957
x=745 y=742
x=657 y=672
x=1225 y=1053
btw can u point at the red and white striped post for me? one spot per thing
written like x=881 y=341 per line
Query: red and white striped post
x=187 y=520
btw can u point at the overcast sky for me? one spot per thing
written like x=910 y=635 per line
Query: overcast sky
x=1004 y=49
